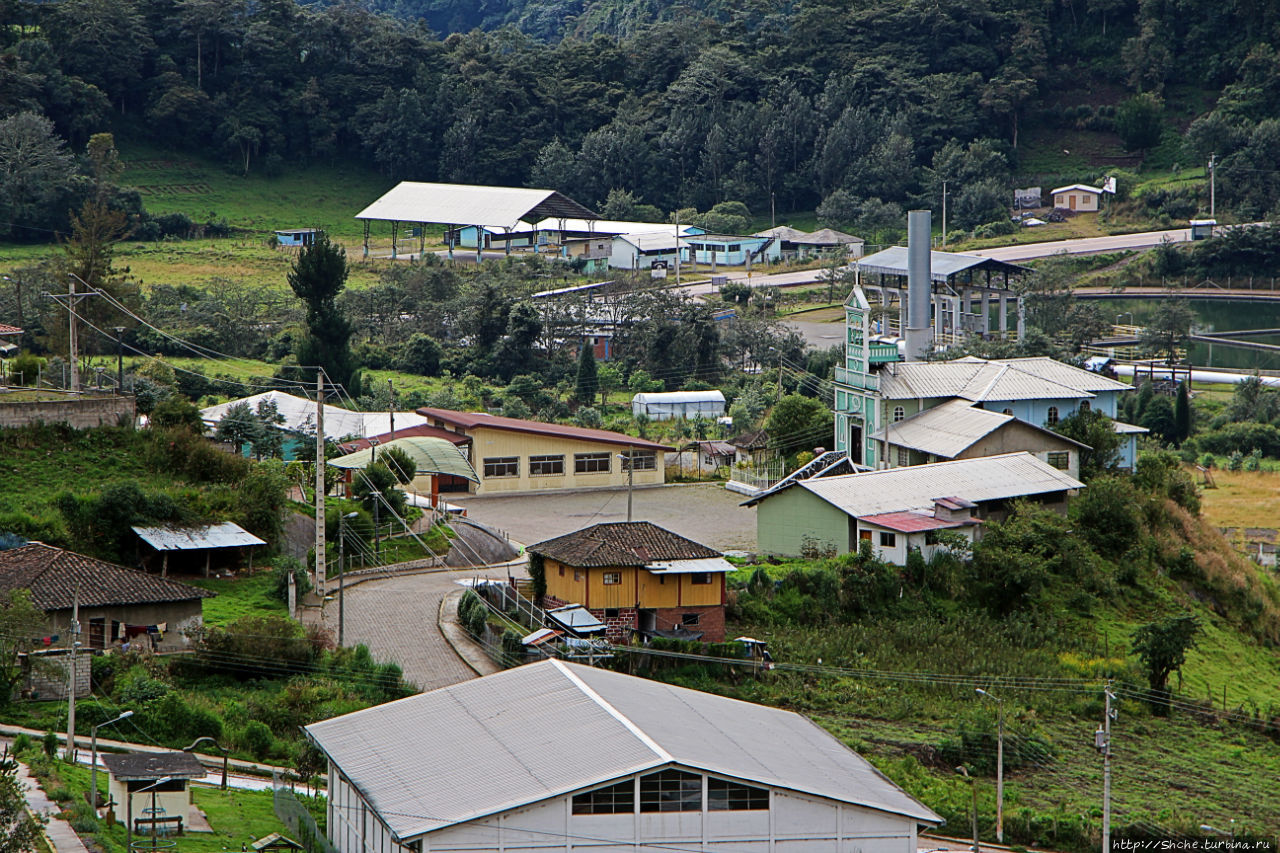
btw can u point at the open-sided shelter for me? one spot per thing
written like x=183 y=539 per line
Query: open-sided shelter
x=433 y=458
x=491 y=210
x=198 y=544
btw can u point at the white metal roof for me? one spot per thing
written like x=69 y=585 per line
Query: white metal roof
x=547 y=729
x=783 y=232
x=947 y=430
x=827 y=237
x=656 y=241
x=604 y=227
x=465 y=204
x=712 y=396
x=690 y=567
x=577 y=618
x=1128 y=429
x=979 y=380
x=429 y=455
x=988 y=478
x=942 y=265
x=1082 y=187
x=223 y=535
x=300 y=416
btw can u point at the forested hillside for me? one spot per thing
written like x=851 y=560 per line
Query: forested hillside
x=857 y=107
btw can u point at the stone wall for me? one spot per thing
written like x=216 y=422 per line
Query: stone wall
x=77 y=412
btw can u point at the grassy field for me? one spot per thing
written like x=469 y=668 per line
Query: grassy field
x=1243 y=499
x=246 y=595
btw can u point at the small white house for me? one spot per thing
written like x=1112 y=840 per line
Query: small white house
x=666 y=405
x=151 y=789
x=1079 y=197
x=555 y=756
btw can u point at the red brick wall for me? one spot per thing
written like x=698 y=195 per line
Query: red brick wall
x=618 y=627
x=710 y=620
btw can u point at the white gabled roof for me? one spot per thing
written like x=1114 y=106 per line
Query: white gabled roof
x=225 y=534
x=988 y=478
x=300 y=416
x=604 y=227
x=1081 y=187
x=979 y=380
x=551 y=728
x=654 y=241
x=947 y=430
x=465 y=204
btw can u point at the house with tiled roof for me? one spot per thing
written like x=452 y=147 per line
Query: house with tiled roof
x=517 y=455
x=637 y=576
x=115 y=603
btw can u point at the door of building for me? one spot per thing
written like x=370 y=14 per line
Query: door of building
x=97 y=633
x=855 y=443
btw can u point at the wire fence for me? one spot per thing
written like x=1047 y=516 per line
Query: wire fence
x=295 y=815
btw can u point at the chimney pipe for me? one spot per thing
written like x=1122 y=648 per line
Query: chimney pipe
x=919 y=284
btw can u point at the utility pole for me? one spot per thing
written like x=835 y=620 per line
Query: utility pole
x=677 y=246
x=342 y=573
x=773 y=216
x=70 y=300
x=999 y=763
x=964 y=771
x=1102 y=742
x=631 y=476
x=71 y=687
x=119 y=330
x=1213 y=162
x=320 y=567
x=391 y=407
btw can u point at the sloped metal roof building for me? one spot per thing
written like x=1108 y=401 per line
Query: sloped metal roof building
x=555 y=756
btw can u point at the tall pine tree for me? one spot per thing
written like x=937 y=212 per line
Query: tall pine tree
x=588 y=382
x=1182 y=415
x=317 y=277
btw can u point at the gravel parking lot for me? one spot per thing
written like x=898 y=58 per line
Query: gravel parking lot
x=706 y=513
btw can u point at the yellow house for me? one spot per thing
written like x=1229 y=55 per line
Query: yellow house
x=514 y=455
x=636 y=576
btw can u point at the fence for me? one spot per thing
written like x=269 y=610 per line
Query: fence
x=298 y=818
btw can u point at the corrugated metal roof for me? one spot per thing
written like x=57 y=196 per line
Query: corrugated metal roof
x=942 y=265
x=547 y=729
x=465 y=204
x=827 y=237
x=987 y=478
x=484 y=420
x=300 y=416
x=689 y=567
x=224 y=535
x=430 y=455
x=783 y=232
x=1001 y=380
x=654 y=241
x=712 y=396
x=944 y=430
x=605 y=227
x=576 y=618
x=1128 y=429
x=911 y=522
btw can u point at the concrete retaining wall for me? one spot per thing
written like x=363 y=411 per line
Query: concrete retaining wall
x=77 y=412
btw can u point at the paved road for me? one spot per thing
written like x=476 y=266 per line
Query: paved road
x=706 y=513
x=1085 y=245
x=397 y=619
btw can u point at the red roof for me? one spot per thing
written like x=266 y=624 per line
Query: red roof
x=913 y=522
x=419 y=431
x=9 y=330
x=474 y=420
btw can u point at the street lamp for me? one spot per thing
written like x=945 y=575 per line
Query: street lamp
x=93 y=736
x=964 y=771
x=128 y=827
x=342 y=572
x=119 y=330
x=999 y=762
x=220 y=748
x=1128 y=314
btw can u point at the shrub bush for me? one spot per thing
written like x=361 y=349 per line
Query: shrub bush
x=257 y=739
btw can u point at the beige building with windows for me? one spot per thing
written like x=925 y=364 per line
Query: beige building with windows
x=514 y=455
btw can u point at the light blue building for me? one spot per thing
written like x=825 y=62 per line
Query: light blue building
x=875 y=389
x=731 y=250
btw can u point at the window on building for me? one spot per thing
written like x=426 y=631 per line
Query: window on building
x=577 y=576
x=700 y=577
x=502 y=466
x=690 y=620
x=545 y=466
x=646 y=460
x=591 y=463
x=611 y=613
x=1051 y=417
x=1084 y=405
x=611 y=578
x=898 y=413
x=734 y=247
x=904 y=456
x=726 y=796
x=1008 y=412
x=615 y=799
x=671 y=791
x=1060 y=459
x=888 y=540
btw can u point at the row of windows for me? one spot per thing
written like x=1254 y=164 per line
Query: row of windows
x=671 y=791
x=611 y=578
x=551 y=466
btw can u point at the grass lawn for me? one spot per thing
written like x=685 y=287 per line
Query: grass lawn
x=236 y=817
x=246 y=595
x=1242 y=499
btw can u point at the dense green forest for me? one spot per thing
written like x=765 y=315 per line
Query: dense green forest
x=857 y=108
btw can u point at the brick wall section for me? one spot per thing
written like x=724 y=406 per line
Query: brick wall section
x=77 y=412
x=710 y=620
x=49 y=678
